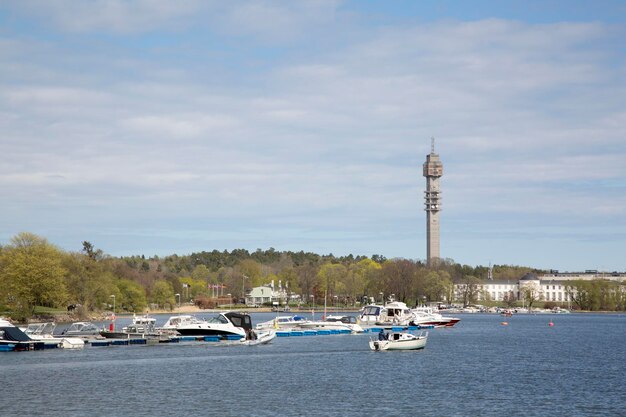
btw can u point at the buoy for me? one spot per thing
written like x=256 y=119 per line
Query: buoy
x=550 y=324
x=505 y=323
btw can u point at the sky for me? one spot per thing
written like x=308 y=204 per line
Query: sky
x=160 y=127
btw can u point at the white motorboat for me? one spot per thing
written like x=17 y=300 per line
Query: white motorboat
x=426 y=316
x=43 y=332
x=282 y=322
x=172 y=324
x=224 y=324
x=144 y=320
x=395 y=313
x=399 y=341
x=370 y=314
x=260 y=338
x=142 y=327
x=349 y=323
x=83 y=330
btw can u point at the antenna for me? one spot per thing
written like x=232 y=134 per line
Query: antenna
x=432 y=144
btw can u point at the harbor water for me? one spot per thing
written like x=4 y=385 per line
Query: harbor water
x=480 y=367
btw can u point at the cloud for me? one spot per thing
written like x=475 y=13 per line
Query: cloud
x=116 y=16
x=328 y=141
x=262 y=20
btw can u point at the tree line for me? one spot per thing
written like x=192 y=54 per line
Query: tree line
x=36 y=273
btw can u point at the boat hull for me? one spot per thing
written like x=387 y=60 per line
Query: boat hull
x=207 y=332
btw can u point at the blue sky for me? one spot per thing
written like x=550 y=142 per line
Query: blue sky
x=150 y=127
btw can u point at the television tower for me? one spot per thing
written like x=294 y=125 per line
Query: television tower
x=433 y=170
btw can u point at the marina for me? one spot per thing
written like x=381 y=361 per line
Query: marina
x=474 y=368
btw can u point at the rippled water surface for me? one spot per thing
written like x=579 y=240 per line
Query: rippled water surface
x=478 y=368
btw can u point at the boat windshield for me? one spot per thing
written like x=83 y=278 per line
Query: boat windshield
x=371 y=311
x=218 y=319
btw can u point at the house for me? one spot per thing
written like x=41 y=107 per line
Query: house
x=267 y=294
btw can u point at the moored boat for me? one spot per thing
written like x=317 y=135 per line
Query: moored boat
x=426 y=316
x=229 y=324
x=282 y=322
x=336 y=322
x=43 y=332
x=260 y=337
x=83 y=330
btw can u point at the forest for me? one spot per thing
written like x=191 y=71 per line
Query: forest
x=35 y=273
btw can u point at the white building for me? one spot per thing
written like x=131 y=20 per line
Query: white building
x=549 y=287
x=267 y=294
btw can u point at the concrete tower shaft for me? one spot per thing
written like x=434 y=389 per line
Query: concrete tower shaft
x=433 y=170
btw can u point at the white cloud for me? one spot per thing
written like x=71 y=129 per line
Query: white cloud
x=526 y=117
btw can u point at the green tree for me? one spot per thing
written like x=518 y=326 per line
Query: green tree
x=163 y=294
x=132 y=296
x=201 y=273
x=328 y=279
x=438 y=286
x=31 y=274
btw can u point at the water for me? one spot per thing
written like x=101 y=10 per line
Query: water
x=478 y=368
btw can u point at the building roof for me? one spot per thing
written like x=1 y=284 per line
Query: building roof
x=529 y=277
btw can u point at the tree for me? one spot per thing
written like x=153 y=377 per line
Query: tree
x=398 y=276
x=438 y=286
x=91 y=252
x=471 y=289
x=132 y=296
x=531 y=292
x=355 y=280
x=329 y=277
x=509 y=298
x=163 y=294
x=201 y=273
x=306 y=280
x=289 y=277
x=31 y=274
x=86 y=278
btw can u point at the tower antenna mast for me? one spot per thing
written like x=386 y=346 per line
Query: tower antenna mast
x=432 y=144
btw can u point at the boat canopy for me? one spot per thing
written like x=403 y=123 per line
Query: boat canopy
x=371 y=310
x=240 y=320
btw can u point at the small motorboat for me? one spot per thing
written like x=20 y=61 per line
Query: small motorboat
x=349 y=323
x=399 y=341
x=259 y=337
x=282 y=322
x=82 y=329
x=426 y=316
x=43 y=332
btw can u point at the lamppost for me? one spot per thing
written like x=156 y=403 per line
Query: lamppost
x=243 y=288
x=178 y=296
x=230 y=302
x=382 y=298
x=112 y=326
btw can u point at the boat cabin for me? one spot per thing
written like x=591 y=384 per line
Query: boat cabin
x=239 y=320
